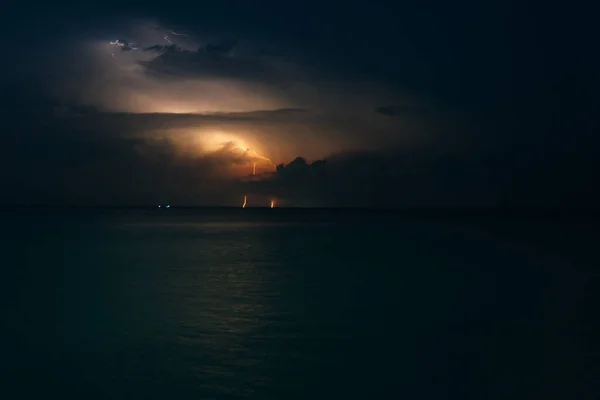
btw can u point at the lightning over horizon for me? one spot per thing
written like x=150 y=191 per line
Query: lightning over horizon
x=431 y=162
x=255 y=155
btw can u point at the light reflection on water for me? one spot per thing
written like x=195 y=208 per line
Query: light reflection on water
x=283 y=307
x=224 y=226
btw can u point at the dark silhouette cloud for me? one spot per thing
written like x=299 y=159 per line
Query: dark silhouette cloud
x=104 y=166
x=169 y=48
x=164 y=119
x=395 y=111
x=218 y=61
x=399 y=179
x=224 y=48
x=112 y=169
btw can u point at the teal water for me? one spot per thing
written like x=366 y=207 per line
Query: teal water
x=295 y=304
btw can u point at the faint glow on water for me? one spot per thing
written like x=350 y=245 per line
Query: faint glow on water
x=279 y=305
x=223 y=226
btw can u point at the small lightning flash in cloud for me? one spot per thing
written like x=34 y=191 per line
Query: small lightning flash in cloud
x=255 y=154
x=178 y=34
x=123 y=45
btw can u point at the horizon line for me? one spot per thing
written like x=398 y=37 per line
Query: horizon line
x=567 y=209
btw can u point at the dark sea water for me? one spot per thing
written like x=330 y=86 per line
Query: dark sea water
x=297 y=304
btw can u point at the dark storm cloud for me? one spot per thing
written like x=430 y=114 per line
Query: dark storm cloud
x=75 y=166
x=529 y=88
x=125 y=45
x=224 y=48
x=430 y=179
x=169 y=48
x=281 y=127
x=70 y=163
x=196 y=73
x=145 y=120
x=280 y=133
x=171 y=130
x=217 y=61
x=395 y=111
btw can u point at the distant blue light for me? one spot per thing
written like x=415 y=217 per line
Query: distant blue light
x=168 y=206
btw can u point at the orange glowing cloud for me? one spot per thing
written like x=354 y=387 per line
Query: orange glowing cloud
x=237 y=108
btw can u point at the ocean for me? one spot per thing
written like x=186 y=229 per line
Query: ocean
x=296 y=304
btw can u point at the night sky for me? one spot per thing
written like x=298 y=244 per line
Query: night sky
x=411 y=104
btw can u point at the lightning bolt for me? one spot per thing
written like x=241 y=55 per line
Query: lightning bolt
x=118 y=43
x=244 y=205
x=272 y=203
x=123 y=45
x=178 y=34
x=254 y=154
x=167 y=39
x=261 y=157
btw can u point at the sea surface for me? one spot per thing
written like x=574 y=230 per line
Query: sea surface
x=297 y=304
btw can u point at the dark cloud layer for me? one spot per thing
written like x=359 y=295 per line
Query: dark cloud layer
x=431 y=104
x=217 y=61
x=396 y=111
x=395 y=179
x=106 y=170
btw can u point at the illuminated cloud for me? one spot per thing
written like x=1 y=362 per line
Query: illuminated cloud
x=100 y=103
x=142 y=67
x=110 y=71
x=276 y=134
x=189 y=114
x=174 y=92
